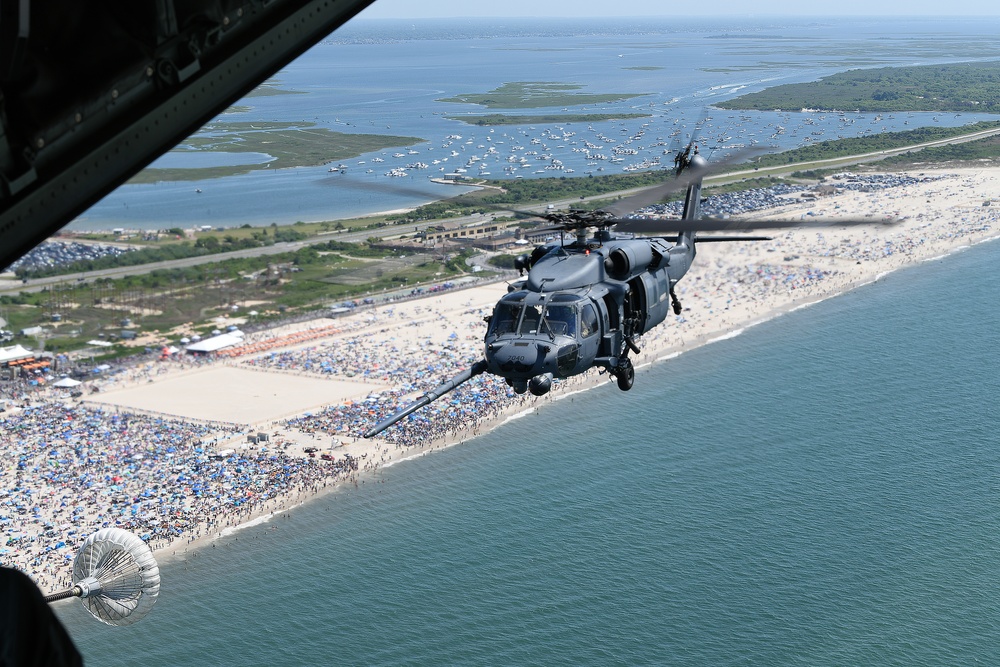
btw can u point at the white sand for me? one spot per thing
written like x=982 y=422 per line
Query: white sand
x=232 y=394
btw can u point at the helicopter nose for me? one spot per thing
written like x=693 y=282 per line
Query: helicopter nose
x=518 y=358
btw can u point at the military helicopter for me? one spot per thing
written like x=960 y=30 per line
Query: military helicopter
x=584 y=304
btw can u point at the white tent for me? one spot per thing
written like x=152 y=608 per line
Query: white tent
x=217 y=342
x=14 y=353
x=67 y=382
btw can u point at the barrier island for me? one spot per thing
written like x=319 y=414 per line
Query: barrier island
x=958 y=88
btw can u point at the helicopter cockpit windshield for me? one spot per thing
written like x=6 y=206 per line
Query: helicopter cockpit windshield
x=554 y=315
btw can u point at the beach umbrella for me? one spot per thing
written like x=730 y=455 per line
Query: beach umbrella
x=115 y=575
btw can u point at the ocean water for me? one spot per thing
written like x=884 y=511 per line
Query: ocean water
x=823 y=489
x=387 y=78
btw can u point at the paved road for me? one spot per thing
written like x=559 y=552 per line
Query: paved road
x=13 y=287
x=857 y=159
x=16 y=286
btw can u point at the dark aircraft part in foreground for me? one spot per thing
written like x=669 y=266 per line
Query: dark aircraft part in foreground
x=92 y=92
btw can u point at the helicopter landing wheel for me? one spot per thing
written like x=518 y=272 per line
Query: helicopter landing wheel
x=626 y=375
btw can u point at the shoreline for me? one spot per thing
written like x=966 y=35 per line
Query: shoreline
x=587 y=382
x=728 y=290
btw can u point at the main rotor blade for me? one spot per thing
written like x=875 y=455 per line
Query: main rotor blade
x=521 y=214
x=690 y=175
x=392 y=186
x=476 y=369
x=651 y=196
x=555 y=228
x=661 y=227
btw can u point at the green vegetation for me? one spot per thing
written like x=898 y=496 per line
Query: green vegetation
x=290 y=144
x=967 y=153
x=269 y=88
x=505 y=262
x=859 y=145
x=503 y=119
x=206 y=244
x=962 y=87
x=804 y=64
x=536 y=94
x=553 y=189
x=272 y=285
x=981 y=150
x=523 y=192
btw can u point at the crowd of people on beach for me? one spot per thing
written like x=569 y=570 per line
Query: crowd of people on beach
x=385 y=355
x=73 y=470
x=783 y=194
x=407 y=365
x=478 y=401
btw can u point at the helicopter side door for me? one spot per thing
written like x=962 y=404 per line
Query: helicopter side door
x=653 y=292
x=591 y=332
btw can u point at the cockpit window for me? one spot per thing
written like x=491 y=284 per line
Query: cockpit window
x=532 y=319
x=588 y=321
x=505 y=317
x=558 y=316
x=560 y=320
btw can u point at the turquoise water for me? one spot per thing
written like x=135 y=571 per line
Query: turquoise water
x=820 y=490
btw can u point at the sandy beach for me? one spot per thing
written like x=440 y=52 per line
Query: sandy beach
x=312 y=394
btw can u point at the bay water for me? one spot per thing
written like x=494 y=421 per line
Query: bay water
x=389 y=78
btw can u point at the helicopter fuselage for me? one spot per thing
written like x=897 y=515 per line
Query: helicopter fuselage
x=581 y=306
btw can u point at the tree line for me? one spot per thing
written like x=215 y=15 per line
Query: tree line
x=959 y=87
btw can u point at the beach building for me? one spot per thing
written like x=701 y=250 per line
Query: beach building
x=452 y=231
x=216 y=343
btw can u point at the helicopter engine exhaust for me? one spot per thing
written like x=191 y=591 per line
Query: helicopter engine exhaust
x=624 y=260
x=540 y=384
